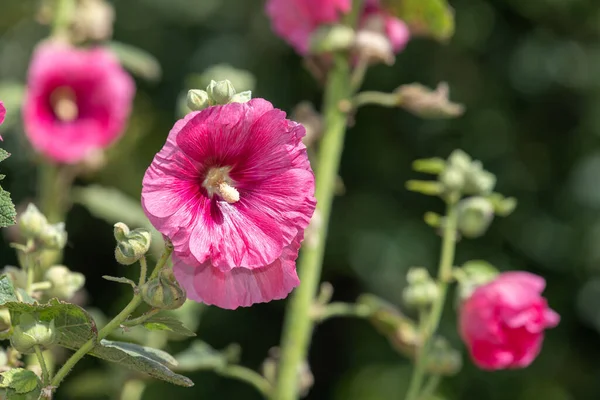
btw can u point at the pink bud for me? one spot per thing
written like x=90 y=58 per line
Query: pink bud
x=503 y=322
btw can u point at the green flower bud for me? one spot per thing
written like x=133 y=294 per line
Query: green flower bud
x=421 y=295
x=54 y=237
x=5 y=324
x=164 y=292
x=64 y=282
x=473 y=274
x=220 y=92
x=475 y=214
x=331 y=38
x=459 y=159
x=131 y=245
x=479 y=181
x=417 y=275
x=433 y=165
x=443 y=359
x=30 y=333
x=429 y=188
x=197 y=100
x=32 y=222
x=242 y=97
x=453 y=178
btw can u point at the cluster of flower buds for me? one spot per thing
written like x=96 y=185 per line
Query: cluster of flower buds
x=217 y=93
x=421 y=290
x=164 y=292
x=64 y=282
x=34 y=226
x=131 y=245
x=460 y=176
x=30 y=332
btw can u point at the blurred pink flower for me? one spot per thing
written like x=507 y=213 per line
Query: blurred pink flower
x=77 y=101
x=295 y=20
x=2 y=112
x=233 y=190
x=503 y=322
x=395 y=29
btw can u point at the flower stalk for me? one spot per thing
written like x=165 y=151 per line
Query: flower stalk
x=432 y=320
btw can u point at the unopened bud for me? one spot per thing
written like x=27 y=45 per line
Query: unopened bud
x=374 y=46
x=433 y=166
x=64 y=282
x=443 y=359
x=475 y=214
x=164 y=292
x=452 y=178
x=421 y=295
x=331 y=38
x=242 y=97
x=220 y=92
x=31 y=332
x=459 y=159
x=417 y=275
x=478 y=180
x=54 y=237
x=429 y=188
x=197 y=100
x=131 y=245
x=5 y=324
x=427 y=103
x=32 y=222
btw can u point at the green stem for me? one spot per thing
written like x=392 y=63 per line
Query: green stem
x=376 y=98
x=298 y=323
x=430 y=387
x=249 y=376
x=433 y=320
x=63 y=13
x=143 y=271
x=110 y=327
x=42 y=361
x=142 y=318
x=342 y=310
x=51 y=192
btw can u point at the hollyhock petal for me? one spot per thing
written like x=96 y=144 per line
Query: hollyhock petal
x=239 y=287
x=295 y=20
x=503 y=322
x=93 y=92
x=397 y=32
x=252 y=151
x=2 y=112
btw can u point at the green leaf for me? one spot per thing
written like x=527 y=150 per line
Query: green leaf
x=8 y=214
x=201 y=356
x=114 y=206
x=7 y=290
x=24 y=296
x=20 y=380
x=433 y=18
x=119 y=280
x=163 y=322
x=4 y=154
x=136 y=60
x=144 y=359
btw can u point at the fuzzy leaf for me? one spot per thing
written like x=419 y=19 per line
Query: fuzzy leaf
x=4 y=154
x=167 y=323
x=434 y=18
x=7 y=290
x=144 y=359
x=200 y=356
x=136 y=60
x=8 y=214
x=119 y=280
x=20 y=380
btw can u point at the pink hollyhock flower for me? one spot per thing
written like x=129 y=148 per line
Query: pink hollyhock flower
x=395 y=29
x=295 y=20
x=503 y=322
x=77 y=101
x=233 y=190
x=2 y=112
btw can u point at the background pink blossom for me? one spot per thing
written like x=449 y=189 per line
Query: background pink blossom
x=101 y=90
x=2 y=112
x=503 y=322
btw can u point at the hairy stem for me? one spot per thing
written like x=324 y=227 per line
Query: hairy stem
x=298 y=323
x=340 y=309
x=433 y=320
x=45 y=372
x=110 y=327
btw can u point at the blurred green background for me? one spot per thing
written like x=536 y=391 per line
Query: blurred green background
x=529 y=75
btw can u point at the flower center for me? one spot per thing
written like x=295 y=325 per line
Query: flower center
x=64 y=104
x=217 y=181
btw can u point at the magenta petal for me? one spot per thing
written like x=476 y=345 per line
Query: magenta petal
x=2 y=112
x=239 y=287
x=102 y=93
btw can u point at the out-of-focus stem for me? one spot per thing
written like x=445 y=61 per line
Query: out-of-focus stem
x=433 y=320
x=63 y=12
